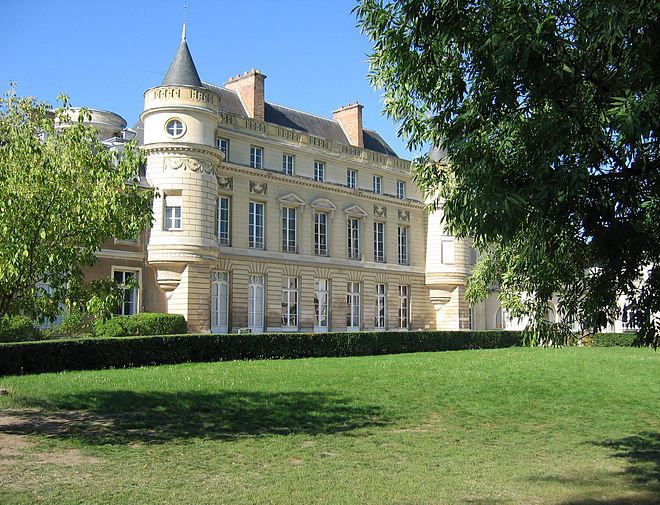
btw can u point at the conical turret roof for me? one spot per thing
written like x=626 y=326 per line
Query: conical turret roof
x=182 y=71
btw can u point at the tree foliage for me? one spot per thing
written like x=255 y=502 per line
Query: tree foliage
x=548 y=112
x=62 y=194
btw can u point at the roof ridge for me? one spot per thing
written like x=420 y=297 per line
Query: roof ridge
x=303 y=112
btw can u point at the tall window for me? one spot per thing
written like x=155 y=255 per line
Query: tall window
x=351 y=178
x=256 y=157
x=223 y=145
x=319 y=171
x=500 y=320
x=223 y=221
x=173 y=213
x=400 y=189
x=256 y=303
x=353 y=306
x=290 y=302
x=321 y=305
x=288 y=229
x=447 y=252
x=471 y=320
x=379 y=241
x=125 y=279
x=320 y=233
x=404 y=306
x=378 y=184
x=287 y=164
x=403 y=245
x=353 y=232
x=220 y=302
x=256 y=231
x=381 y=306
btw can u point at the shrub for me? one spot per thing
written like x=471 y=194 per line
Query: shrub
x=17 y=329
x=75 y=323
x=146 y=323
x=95 y=353
x=614 y=340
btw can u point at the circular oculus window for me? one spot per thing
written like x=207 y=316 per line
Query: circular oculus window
x=175 y=128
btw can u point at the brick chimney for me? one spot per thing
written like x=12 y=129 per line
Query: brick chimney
x=350 y=119
x=250 y=87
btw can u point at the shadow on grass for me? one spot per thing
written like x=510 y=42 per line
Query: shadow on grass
x=642 y=453
x=125 y=417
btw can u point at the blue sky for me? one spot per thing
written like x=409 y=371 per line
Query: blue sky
x=104 y=55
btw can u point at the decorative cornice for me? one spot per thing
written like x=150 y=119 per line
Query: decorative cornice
x=183 y=149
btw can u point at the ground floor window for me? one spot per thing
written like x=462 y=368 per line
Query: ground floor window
x=256 y=303
x=127 y=279
x=321 y=305
x=381 y=304
x=353 y=306
x=220 y=302
x=404 y=306
x=290 y=303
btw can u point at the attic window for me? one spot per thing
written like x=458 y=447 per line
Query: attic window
x=175 y=128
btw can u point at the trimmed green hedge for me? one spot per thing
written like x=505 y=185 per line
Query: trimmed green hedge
x=613 y=340
x=144 y=323
x=96 y=353
x=17 y=329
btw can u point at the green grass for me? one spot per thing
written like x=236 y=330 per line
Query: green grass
x=522 y=426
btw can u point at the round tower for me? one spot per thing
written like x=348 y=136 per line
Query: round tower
x=180 y=119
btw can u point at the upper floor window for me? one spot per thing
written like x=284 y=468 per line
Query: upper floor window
x=287 y=164
x=400 y=189
x=223 y=220
x=288 y=229
x=447 y=252
x=175 y=128
x=320 y=233
x=256 y=225
x=353 y=235
x=378 y=184
x=319 y=171
x=173 y=213
x=351 y=178
x=379 y=241
x=403 y=245
x=256 y=157
x=223 y=145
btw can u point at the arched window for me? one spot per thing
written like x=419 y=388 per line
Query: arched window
x=220 y=302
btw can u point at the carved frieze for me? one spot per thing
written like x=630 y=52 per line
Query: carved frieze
x=380 y=211
x=191 y=164
x=225 y=182
x=258 y=188
x=404 y=215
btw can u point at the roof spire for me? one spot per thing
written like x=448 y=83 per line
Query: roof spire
x=183 y=32
x=182 y=71
x=185 y=15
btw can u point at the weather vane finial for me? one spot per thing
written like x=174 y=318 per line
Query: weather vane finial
x=185 y=13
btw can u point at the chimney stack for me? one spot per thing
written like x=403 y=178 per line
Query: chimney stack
x=250 y=87
x=350 y=119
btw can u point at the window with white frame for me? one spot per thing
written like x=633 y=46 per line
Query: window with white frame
x=290 y=303
x=288 y=229
x=256 y=226
x=319 y=171
x=353 y=306
x=256 y=303
x=256 y=157
x=224 y=204
x=321 y=305
x=287 y=164
x=351 y=178
x=379 y=241
x=127 y=280
x=404 y=306
x=223 y=145
x=175 y=128
x=380 y=319
x=378 y=184
x=400 y=189
x=220 y=302
x=500 y=320
x=353 y=236
x=447 y=251
x=403 y=245
x=173 y=213
x=321 y=233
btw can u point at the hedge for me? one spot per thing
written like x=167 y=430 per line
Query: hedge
x=17 y=329
x=613 y=340
x=97 y=353
x=144 y=323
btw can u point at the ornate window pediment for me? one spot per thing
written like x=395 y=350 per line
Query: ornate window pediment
x=292 y=200
x=324 y=205
x=355 y=211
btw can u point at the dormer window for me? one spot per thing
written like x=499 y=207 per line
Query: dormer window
x=175 y=128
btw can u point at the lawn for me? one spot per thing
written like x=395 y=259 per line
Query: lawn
x=511 y=426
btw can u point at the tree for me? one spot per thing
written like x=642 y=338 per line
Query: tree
x=548 y=112
x=62 y=194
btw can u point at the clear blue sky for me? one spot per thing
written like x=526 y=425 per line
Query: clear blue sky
x=104 y=55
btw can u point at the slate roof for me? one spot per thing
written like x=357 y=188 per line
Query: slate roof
x=182 y=71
